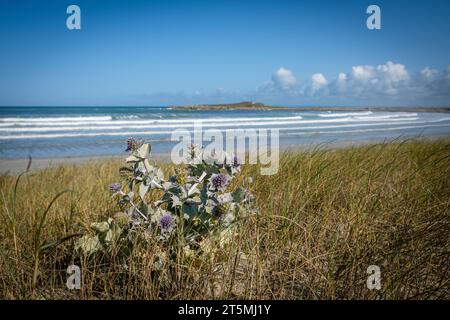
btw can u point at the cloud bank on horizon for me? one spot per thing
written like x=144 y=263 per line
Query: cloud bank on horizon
x=390 y=83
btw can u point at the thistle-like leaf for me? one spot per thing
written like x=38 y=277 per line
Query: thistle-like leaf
x=132 y=158
x=143 y=190
x=88 y=244
x=100 y=227
x=144 y=151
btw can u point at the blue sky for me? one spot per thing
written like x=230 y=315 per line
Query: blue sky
x=181 y=52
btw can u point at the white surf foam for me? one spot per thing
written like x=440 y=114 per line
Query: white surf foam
x=368 y=130
x=190 y=124
x=137 y=133
x=56 y=119
x=390 y=116
x=351 y=114
x=150 y=121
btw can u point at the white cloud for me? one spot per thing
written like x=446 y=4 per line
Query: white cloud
x=437 y=85
x=342 y=77
x=318 y=81
x=392 y=72
x=385 y=84
x=362 y=73
x=282 y=82
x=428 y=73
x=370 y=81
x=284 y=78
x=388 y=83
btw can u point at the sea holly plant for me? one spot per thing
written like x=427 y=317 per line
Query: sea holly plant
x=197 y=205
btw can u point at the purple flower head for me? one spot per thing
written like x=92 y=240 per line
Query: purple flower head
x=115 y=187
x=135 y=217
x=218 y=181
x=166 y=222
x=235 y=163
x=133 y=144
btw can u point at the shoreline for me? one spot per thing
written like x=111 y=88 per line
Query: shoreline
x=14 y=166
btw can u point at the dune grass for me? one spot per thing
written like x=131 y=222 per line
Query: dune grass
x=324 y=218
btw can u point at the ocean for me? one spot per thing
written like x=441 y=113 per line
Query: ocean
x=54 y=132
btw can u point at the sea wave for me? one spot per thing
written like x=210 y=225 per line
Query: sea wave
x=351 y=114
x=137 y=122
x=390 y=116
x=162 y=132
x=133 y=116
x=191 y=124
x=56 y=119
x=367 y=130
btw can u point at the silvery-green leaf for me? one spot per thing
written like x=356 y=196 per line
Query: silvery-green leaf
x=141 y=167
x=144 y=151
x=113 y=234
x=160 y=202
x=209 y=205
x=100 y=227
x=122 y=218
x=143 y=190
x=167 y=185
x=193 y=190
x=194 y=200
x=132 y=158
x=155 y=185
x=88 y=244
x=225 y=198
x=176 y=201
x=203 y=175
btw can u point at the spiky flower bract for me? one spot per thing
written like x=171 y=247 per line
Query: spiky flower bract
x=115 y=187
x=218 y=182
x=166 y=222
x=133 y=144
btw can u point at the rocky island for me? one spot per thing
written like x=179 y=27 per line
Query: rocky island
x=250 y=105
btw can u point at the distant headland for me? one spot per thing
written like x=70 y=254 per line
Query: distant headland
x=249 y=105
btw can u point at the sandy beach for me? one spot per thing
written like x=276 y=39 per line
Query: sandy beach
x=16 y=166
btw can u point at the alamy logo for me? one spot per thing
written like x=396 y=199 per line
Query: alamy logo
x=374 y=20
x=263 y=146
x=374 y=278
x=74 y=280
x=73 y=22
